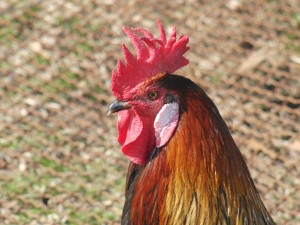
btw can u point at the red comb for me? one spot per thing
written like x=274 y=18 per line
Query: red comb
x=153 y=56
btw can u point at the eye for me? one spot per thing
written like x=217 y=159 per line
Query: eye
x=152 y=95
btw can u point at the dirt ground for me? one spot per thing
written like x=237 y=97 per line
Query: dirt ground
x=60 y=162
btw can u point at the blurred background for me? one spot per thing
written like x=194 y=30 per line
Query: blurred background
x=60 y=162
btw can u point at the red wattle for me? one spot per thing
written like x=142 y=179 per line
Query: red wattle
x=135 y=137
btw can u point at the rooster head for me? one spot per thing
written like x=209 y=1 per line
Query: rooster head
x=148 y=111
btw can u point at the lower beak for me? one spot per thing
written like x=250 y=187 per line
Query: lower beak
x=117 y=106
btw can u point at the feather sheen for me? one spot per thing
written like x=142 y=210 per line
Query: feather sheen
x=198 y=177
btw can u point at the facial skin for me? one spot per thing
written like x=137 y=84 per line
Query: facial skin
x=146 y=101
x=151 y=100
x=137 y=114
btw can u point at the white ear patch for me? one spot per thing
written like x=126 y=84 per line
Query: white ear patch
x=165 y=123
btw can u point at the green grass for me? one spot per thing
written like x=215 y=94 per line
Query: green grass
x=86 y=47
x=42 y=60
x=31 y=12
x=48 y=163
x=8 y=31
x=13 y=26
x=94 y=27
x=217 y=77
x=13 y=186
x=69 y=23
x=295 y=19
x=293 y=44
x=10 y=144
x=72 y=75
x=58 y=85
x=24 y=218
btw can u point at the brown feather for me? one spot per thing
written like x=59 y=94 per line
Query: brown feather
x=199 y=177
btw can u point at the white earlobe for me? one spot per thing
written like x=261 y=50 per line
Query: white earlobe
x=165 y=123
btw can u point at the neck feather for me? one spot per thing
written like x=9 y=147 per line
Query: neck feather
x=199 y=177
x=208 y=168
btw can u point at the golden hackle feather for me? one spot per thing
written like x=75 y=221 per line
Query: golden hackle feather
x=199 y=177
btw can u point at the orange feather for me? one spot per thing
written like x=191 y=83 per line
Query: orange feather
x=199 y=177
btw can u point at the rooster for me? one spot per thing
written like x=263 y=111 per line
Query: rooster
x=185 y=167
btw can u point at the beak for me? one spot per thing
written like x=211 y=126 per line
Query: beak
x=117 y=106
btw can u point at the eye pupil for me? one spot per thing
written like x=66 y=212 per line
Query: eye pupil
x=152 y=95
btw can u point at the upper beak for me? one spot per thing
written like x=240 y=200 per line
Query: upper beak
x=117 y=106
